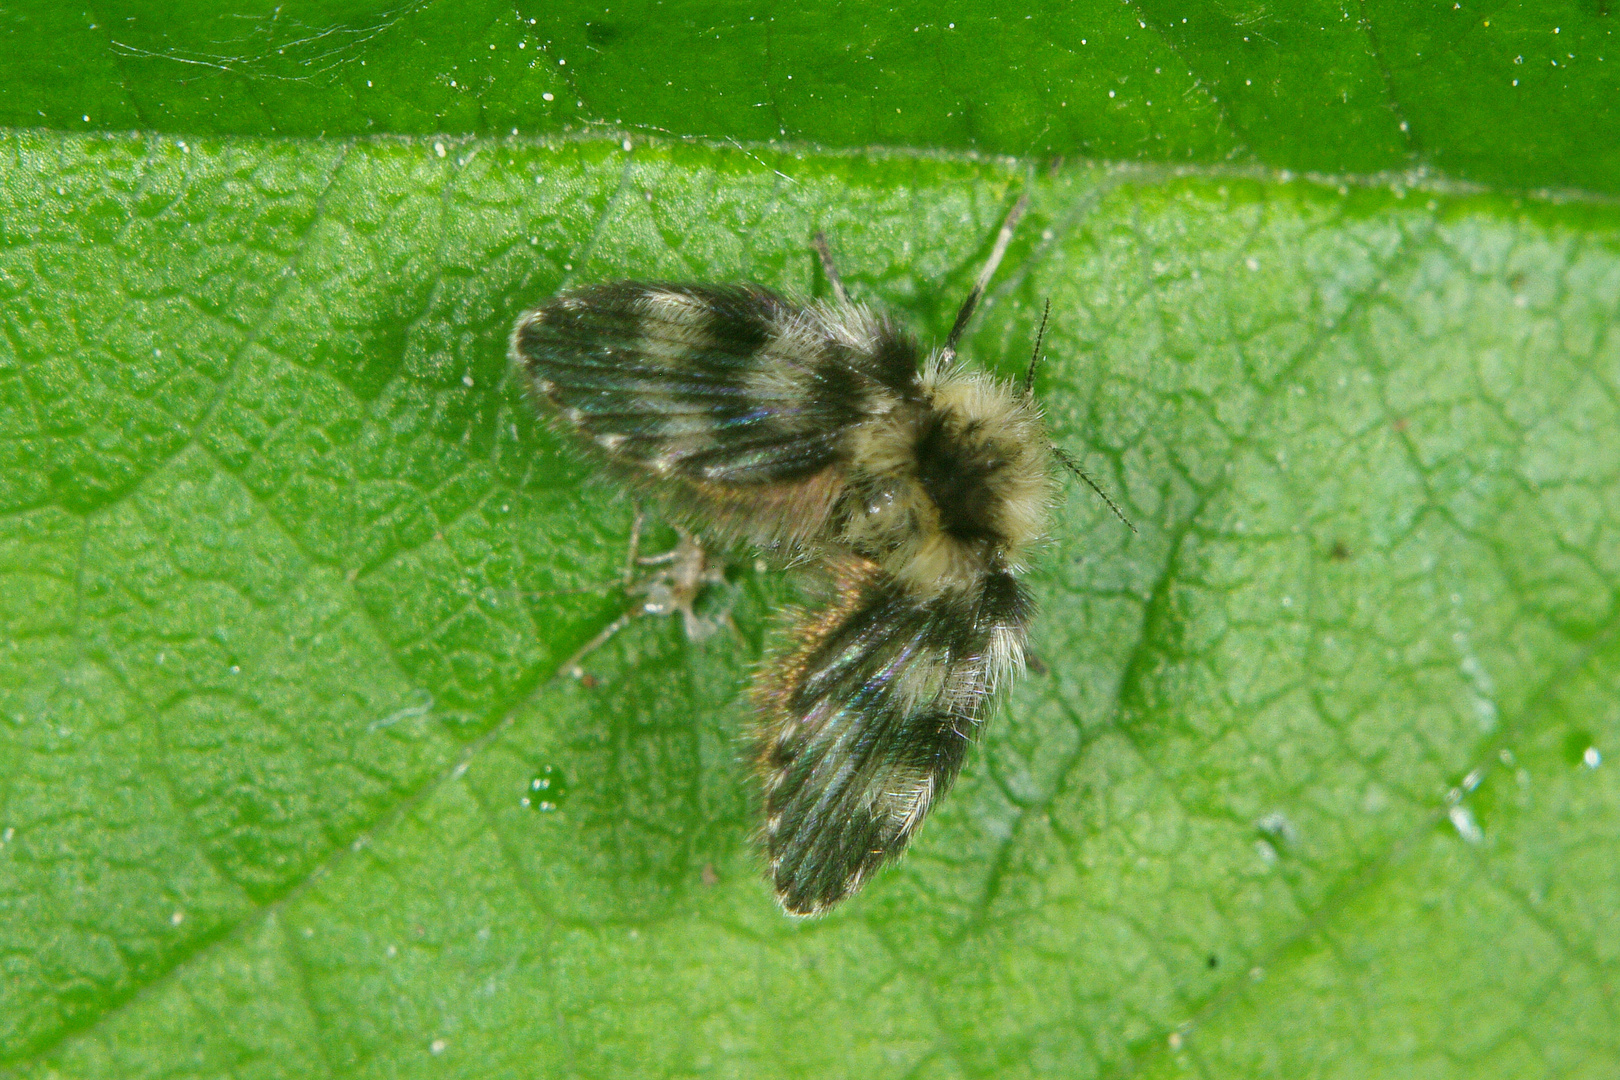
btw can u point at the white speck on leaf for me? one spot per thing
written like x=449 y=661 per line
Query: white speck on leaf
x=1278 y=825
x=1467 y=828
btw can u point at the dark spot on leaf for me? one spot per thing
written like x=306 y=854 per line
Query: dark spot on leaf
x=601 y=33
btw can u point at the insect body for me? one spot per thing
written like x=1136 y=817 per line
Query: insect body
x=820 y=432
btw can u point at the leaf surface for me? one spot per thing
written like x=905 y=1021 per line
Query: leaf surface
x=1320 y=778
x=286 y=556
x=1522 y=96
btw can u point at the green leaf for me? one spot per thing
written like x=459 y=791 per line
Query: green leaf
x=1522 y=95
x=1319 y=780
x=1321 y=776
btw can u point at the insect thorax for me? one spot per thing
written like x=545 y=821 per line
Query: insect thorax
x=951 y=485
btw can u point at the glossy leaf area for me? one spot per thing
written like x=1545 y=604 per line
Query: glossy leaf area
x=1522 y=95
x=1321 y=778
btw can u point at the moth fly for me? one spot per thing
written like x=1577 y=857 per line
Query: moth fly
x=821 y=433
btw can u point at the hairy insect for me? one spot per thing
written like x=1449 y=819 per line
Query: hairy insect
x=822 y=434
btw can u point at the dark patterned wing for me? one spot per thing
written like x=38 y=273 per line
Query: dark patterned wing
x=731 y=400
x=866 y=721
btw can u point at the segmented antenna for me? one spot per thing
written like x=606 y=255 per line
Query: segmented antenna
x=1003 y=238
x=1035 y=357
x=1069 y=463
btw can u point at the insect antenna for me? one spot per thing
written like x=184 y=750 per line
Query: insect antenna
x=1069 y=463
x=1035 y=357
x=837 y=283
x=1003 y=238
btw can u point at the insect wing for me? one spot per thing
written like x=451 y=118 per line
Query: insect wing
x=866 y=721
x=730 y=399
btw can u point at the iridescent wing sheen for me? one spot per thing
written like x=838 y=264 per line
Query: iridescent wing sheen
x=866 y=720
x=730 y=400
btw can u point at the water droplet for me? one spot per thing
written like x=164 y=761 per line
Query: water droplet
x=1463 y=820
x=546 y=790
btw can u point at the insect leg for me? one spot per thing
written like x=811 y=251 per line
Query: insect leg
x=837 y=283
x=677 y=588
x=687 y=571
x=570 y=668
x=1003 y=238
x=630 y=560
